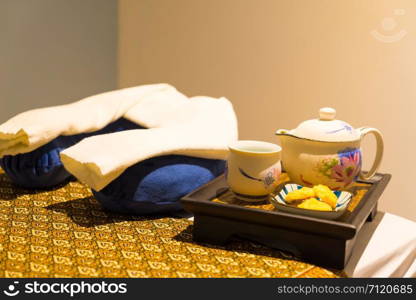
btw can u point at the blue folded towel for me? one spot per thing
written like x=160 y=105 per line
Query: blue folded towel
x=152 y=186
x=42 y=168
x=155 y=185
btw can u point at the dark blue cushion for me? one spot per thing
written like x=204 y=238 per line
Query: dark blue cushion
x=156 y=185
x=42 y=168
x=153 y=186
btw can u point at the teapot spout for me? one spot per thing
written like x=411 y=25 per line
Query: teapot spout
x=282 y=132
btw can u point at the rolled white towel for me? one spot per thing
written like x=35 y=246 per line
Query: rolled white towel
x=32 y=129
x=200 y=126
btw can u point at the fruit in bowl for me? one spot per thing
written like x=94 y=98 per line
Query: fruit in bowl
x=315 y=204
x=319 y=201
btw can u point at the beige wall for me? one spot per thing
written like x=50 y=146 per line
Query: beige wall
x=55 y=51
x=280 y=61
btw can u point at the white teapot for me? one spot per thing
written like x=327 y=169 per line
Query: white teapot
x=327 y=151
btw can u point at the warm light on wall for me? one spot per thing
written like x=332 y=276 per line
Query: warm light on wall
x=280 y=61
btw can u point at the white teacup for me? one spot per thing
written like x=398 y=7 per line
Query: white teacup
x=253 y=169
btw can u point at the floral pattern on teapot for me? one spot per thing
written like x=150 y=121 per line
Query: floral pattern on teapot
x=344 y=169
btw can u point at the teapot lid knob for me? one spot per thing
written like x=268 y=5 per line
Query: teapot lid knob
x=327 y=114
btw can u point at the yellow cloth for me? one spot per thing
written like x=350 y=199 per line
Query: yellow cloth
x=65 y=233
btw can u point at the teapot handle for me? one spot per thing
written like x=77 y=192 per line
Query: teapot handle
x=379 y=152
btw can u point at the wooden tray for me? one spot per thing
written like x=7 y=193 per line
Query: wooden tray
x=218 y=216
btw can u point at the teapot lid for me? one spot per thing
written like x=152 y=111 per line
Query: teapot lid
x=326 y=128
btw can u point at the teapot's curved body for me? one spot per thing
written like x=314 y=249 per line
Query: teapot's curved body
x=326 y=151
x=310 y=162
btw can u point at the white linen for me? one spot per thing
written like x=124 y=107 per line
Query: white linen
x=390 y=252
x=34 y=128
x=411 y=273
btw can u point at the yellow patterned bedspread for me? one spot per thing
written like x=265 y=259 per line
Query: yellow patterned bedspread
x=65 y=233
